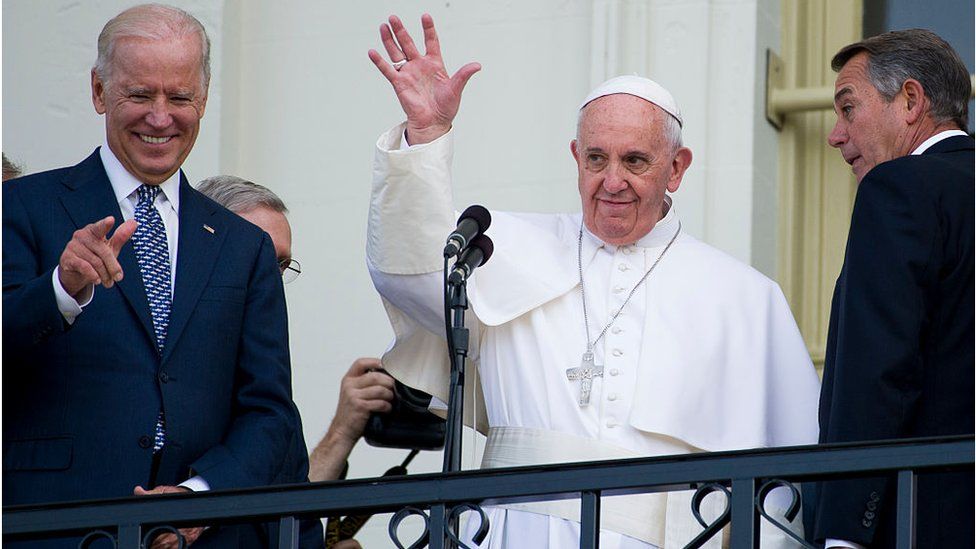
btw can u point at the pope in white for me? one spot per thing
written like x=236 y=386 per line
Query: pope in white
x=616 y=335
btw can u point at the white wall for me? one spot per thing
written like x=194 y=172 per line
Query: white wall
x=49 y=48
x=296 y=105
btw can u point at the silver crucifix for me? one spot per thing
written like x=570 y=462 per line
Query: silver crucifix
x=585 y=374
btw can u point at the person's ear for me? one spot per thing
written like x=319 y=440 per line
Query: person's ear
x=680 y=163
x=98 y=92
x=915 y=101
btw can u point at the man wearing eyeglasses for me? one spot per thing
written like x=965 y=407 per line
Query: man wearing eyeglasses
x=261 y=207
x=363 y=390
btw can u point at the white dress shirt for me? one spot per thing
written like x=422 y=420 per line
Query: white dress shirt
x=125 y=186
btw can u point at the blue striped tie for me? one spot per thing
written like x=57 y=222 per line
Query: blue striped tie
x=152 y=253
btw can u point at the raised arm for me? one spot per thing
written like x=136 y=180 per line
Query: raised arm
x=429 y=97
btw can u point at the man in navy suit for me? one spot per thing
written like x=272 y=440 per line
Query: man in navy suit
x=154 y=358
x=900 y=349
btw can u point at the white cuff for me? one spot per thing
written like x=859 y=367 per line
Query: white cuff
x=196 y=484
x=69 y=307
x=404 y=146
x=828 y=543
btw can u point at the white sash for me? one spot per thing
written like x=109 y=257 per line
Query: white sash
x=663 y=519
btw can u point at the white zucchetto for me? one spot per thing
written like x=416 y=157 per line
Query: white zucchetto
x=638 y=86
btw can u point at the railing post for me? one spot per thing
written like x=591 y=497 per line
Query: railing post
x=905 y=514
x=590 y=520
x=287 y=533
x=745 y=520
x=438 y=526
x=129 y=536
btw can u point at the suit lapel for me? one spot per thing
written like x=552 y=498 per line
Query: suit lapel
x=92 y=199
x=197 y=254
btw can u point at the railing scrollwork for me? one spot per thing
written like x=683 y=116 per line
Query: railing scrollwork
x=714 y=527
x=453 y=516
x=97 y=535
x=151 y=535
x=791 y=511
x=145 y=543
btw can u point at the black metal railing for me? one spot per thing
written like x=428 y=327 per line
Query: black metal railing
x=743 y=476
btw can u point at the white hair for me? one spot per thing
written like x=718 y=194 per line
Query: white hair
x=240 y=195
x=154 y=22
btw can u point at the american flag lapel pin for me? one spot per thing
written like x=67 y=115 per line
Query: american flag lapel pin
x=208 y=228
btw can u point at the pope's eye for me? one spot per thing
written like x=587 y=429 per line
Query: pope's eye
x=636 y=163
x=595 y=160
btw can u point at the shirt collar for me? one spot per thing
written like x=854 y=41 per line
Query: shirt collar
x=124 y=183
x=935 y=139
x=660 y=235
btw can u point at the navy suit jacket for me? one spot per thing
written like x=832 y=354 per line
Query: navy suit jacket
x=900 y=347
x=80 y=401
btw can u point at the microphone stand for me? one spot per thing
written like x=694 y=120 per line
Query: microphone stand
x=455 y=303
x=457 y=340
x=458 y=345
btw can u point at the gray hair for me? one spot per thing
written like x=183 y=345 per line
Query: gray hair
x=10 y=170
x=919 y=54
x=240 y=195
x=671 y=128
x=153 y=22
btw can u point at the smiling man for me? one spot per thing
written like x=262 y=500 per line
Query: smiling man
x=154 y=358
x=900 y=348
x=607 y=334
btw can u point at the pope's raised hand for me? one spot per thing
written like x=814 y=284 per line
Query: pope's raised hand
x=91 y=258
x=429 y=97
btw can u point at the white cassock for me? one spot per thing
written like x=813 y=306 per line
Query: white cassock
x=704 y=357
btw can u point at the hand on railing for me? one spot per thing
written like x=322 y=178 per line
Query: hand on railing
x=178 y=538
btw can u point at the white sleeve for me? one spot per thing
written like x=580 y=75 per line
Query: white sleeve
x=196 y=484
x=411 y=212
x=69 y=306
x=828 y=543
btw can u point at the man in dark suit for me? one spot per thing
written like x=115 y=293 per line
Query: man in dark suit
x=899 y=360
x=152 y=365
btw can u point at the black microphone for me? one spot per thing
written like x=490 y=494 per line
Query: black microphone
x=473 y=221
x=476 y=254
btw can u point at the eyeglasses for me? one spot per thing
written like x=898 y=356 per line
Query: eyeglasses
x=290 y=269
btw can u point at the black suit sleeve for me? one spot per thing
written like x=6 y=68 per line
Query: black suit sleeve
x=30 y=310
x=880 y=308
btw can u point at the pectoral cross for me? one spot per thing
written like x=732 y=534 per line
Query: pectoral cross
x=585 y=374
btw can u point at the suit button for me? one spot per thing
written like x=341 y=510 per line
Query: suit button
x=866 y=523
x=164 y=377
x=869 y=515
x=145 y=442
x=875 y=497
x=872 y=506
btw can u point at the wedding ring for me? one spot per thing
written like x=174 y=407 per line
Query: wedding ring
x=399 y=64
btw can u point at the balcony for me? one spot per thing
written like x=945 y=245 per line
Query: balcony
x=744 y=477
